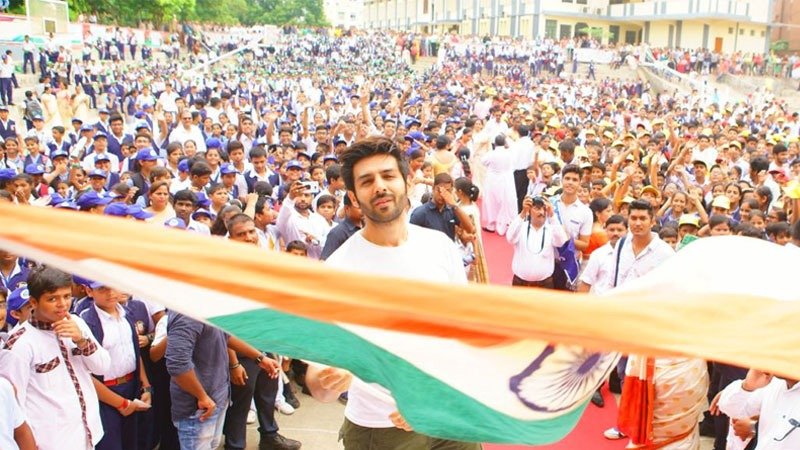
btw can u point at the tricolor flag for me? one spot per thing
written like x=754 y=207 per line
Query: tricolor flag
x=473 y=363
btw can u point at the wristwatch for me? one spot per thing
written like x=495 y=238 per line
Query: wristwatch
x=260 y=358
x=83 y=339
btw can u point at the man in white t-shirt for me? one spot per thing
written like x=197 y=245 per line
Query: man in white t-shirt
x=387 y=245
x=598 y=275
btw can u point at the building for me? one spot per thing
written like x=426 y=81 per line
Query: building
x=344 y=13
x=721 y=25
x=786 y=17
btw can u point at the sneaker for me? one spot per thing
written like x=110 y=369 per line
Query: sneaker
x=284 y=408
x=293 y=401
x=614 y=434
x=277 y=442
x=251 y=417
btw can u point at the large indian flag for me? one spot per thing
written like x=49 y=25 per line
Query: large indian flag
x=474 y=363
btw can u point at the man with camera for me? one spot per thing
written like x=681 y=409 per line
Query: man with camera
x=536 y=235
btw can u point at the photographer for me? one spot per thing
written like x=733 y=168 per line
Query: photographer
x=536 y=235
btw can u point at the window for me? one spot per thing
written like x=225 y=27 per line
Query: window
x=581 y=2
x=730 y=30
x=424 y=6
x=566 y=1
x=565 y=31
x=752 y=32
x=550 y=28
x=763 y=33
x=741 y=31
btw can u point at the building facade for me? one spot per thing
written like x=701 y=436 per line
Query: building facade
x=786 y=17
x=722 y=25
x=344 y=13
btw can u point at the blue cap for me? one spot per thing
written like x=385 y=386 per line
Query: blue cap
x=146 y=105
x=34 y=169
x=411 y=122
x=139 y=115
x=87 y=127
x=18 y=298
x=337 y=140
x=415 y=136
x=77 y=119
x=103 y=110
x=97 y=173
x=101 y=158
x=3 y=108
x=202 y=200
x=116 y=210
x=183 y=165
x=37 y=117
x=201 y=212
x=213 y=143
x=7 y=174
x=330 y=157
x=59 y=154
x=100 y=134
x=227 y=169
x=141 y=124
x=175 y=222
x=305 y=154
x=56 y=199
x=90 y=199
x=69 y=204
x=147 y=154
x=294 y=164
x=138 y=213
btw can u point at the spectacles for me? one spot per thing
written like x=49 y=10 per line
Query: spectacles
x=795 y=425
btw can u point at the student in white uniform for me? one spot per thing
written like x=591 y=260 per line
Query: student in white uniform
x=57 y=392
x=375 y=176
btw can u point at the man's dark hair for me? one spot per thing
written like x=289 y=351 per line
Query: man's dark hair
x=257 y=152
x=442 y=178
x=641 y=205
x=47 y=279
x=523 y=130
x=779 y=148
x=718 y=219
x=567 y=145
x=297 y=245
x=571 y=168
x=185 y=195
x=199 y=169
x=263 y=188
x=237 y=219
x=233 y=145
x=667 y=232
x=115 y=118
x=371 y=146
x=333 y=172
x=442 y=142
x=758 y=164
x=617 y=219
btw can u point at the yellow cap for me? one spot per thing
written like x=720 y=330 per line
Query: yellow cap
x=553 y=123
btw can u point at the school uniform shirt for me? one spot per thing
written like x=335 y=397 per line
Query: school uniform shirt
x=535 y=249
x=88 y=161
x=8 y=129
x=13 y=417
x=599 y=271
x=269 y=239
x=576 y=217
x=425 y=255
x=59 y=385
x=117 y=340
x=294 y=226
x=775 y=404
x=198 y=227
x=16 y=278
x=633 y=266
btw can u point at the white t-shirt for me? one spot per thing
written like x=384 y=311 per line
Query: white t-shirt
x=599 y=271
x=426 y=255
x=12 y=418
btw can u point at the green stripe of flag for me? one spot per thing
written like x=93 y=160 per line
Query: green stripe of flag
x=429 y=404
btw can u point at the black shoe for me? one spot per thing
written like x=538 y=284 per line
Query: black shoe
x=292 y=400
x=277 y=442
x=597 y=399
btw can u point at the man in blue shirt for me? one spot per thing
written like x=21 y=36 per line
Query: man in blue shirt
x=346 y=228
x=442 y=213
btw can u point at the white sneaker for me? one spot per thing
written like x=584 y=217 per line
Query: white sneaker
x=614 y=434
x=251 y=417
x=284 y=408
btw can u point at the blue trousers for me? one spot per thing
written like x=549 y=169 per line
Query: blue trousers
x=28 y=58
x=6 y=90
x=260 y=388
x=120 y=433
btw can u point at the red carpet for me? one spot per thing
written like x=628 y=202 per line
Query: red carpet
x=588 y=434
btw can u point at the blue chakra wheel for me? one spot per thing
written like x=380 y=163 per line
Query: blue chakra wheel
x=561 y=378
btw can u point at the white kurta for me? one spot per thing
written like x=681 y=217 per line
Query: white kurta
x=499 y=204
x=47 y=393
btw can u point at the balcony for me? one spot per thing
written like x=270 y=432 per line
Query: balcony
x=738 y=10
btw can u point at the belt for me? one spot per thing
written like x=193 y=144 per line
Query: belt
x=121 y=380
x=547 y=282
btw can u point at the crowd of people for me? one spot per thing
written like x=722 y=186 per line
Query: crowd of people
x=328 y=146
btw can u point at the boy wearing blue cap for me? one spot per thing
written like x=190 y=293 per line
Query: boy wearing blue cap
x=90 y=201
x=97 y=181
x=19 y=306
x=35 y=157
